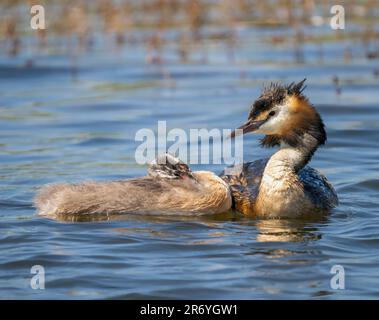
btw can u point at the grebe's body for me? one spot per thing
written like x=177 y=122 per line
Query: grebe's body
x=283 y=185
x=281 y=192
x=170 y=188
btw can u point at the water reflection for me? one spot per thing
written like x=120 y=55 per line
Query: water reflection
x=206 y=219
x=270 y=230
x=292 y=230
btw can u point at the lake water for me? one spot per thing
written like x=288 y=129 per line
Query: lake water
x=57 y=124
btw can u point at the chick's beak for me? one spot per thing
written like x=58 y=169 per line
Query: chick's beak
x=248 y=126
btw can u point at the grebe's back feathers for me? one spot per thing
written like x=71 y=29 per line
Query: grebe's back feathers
x=318 y=189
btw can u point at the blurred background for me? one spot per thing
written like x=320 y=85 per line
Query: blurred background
x=178 y=31
x=72 y=97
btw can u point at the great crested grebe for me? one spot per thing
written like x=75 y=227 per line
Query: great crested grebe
x=283 y=185
x=169 y=188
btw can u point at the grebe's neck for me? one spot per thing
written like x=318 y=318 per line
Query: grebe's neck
x=292 y=158
x=280 y=189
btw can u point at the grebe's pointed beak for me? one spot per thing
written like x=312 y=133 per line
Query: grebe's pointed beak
x=248 y=126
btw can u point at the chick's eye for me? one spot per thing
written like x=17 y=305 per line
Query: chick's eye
x=272 y=113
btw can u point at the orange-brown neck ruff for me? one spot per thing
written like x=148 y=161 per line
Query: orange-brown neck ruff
x=304 y=131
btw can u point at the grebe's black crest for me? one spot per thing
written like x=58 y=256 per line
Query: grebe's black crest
x=274 y=94
x=302 y=121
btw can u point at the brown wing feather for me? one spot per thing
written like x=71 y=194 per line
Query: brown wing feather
x=244 y=183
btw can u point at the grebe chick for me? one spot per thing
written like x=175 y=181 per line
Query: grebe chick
x=283 y=185
x=170 y=188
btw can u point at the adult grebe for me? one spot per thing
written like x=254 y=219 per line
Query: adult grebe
x=170 y=188
x=282 y=186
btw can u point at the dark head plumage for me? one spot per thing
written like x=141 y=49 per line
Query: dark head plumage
x=274 y=94
x=284 y=114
